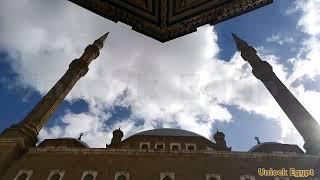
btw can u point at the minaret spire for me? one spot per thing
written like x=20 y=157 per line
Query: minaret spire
x=30 y=126
x=239 y=42
x=104 y=37
x=303 y=121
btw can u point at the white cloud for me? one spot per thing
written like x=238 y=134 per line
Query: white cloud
x=309 y=20
x=91 y=125
x=306 y=63
x=280 y=39
x=161 y=80
x=173 y=83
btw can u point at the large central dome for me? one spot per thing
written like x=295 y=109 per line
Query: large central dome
x=168 y=132
x=169 y=139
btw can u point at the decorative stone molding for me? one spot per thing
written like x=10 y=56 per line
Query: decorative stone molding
x=139 y=152
x=283 y=178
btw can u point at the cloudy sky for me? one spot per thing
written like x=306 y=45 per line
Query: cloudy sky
x=197 y=82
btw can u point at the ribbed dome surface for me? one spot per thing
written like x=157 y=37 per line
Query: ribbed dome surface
x=168 y=132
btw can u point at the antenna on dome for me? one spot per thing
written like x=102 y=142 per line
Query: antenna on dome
x=257 y=139
x=79 y=138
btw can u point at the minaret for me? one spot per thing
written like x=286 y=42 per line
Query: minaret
x=306 y=125
x=116 y=138
x=221 y=144
x=30 y=126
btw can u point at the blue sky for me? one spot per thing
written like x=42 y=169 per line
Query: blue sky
x=197 y=82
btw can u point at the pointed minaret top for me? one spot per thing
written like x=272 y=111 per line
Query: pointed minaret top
x=104 y=37
x=240 y=43
x=100 y=42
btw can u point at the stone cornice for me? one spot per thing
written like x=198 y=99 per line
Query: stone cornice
x=130 y=152
x=16 y=140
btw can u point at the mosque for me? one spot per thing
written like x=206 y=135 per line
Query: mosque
x=165 y=153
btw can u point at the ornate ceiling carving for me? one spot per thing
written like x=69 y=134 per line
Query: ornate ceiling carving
x=164 y=20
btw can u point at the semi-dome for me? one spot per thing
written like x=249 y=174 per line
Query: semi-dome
x=168 y=132
x=270 y=147
x=63 y=142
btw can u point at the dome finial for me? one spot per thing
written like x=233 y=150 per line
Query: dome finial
x=257 y=139
x=79 y=138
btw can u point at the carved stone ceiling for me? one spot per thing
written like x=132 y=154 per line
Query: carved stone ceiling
x=165 y=20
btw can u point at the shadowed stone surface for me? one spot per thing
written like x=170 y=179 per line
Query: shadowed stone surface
x=165 y=20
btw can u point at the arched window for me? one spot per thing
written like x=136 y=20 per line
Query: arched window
x=88 y=177
x=167 y=178
x=175 y=146
x=159 y=146
x=122 y=177
x=144 y=145
x=190 y=147
x=213 y=178
x=247 y=177
x=55 y=177
x=23 y=176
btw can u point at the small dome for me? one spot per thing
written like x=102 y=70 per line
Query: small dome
x=118 y=131
x=218 y=133
x=63 y=142
x=167 y=132
x=270 y=147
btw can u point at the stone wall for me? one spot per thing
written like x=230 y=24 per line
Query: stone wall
x=149 y=164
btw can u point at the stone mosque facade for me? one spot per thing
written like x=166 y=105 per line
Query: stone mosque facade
x=158 y=154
